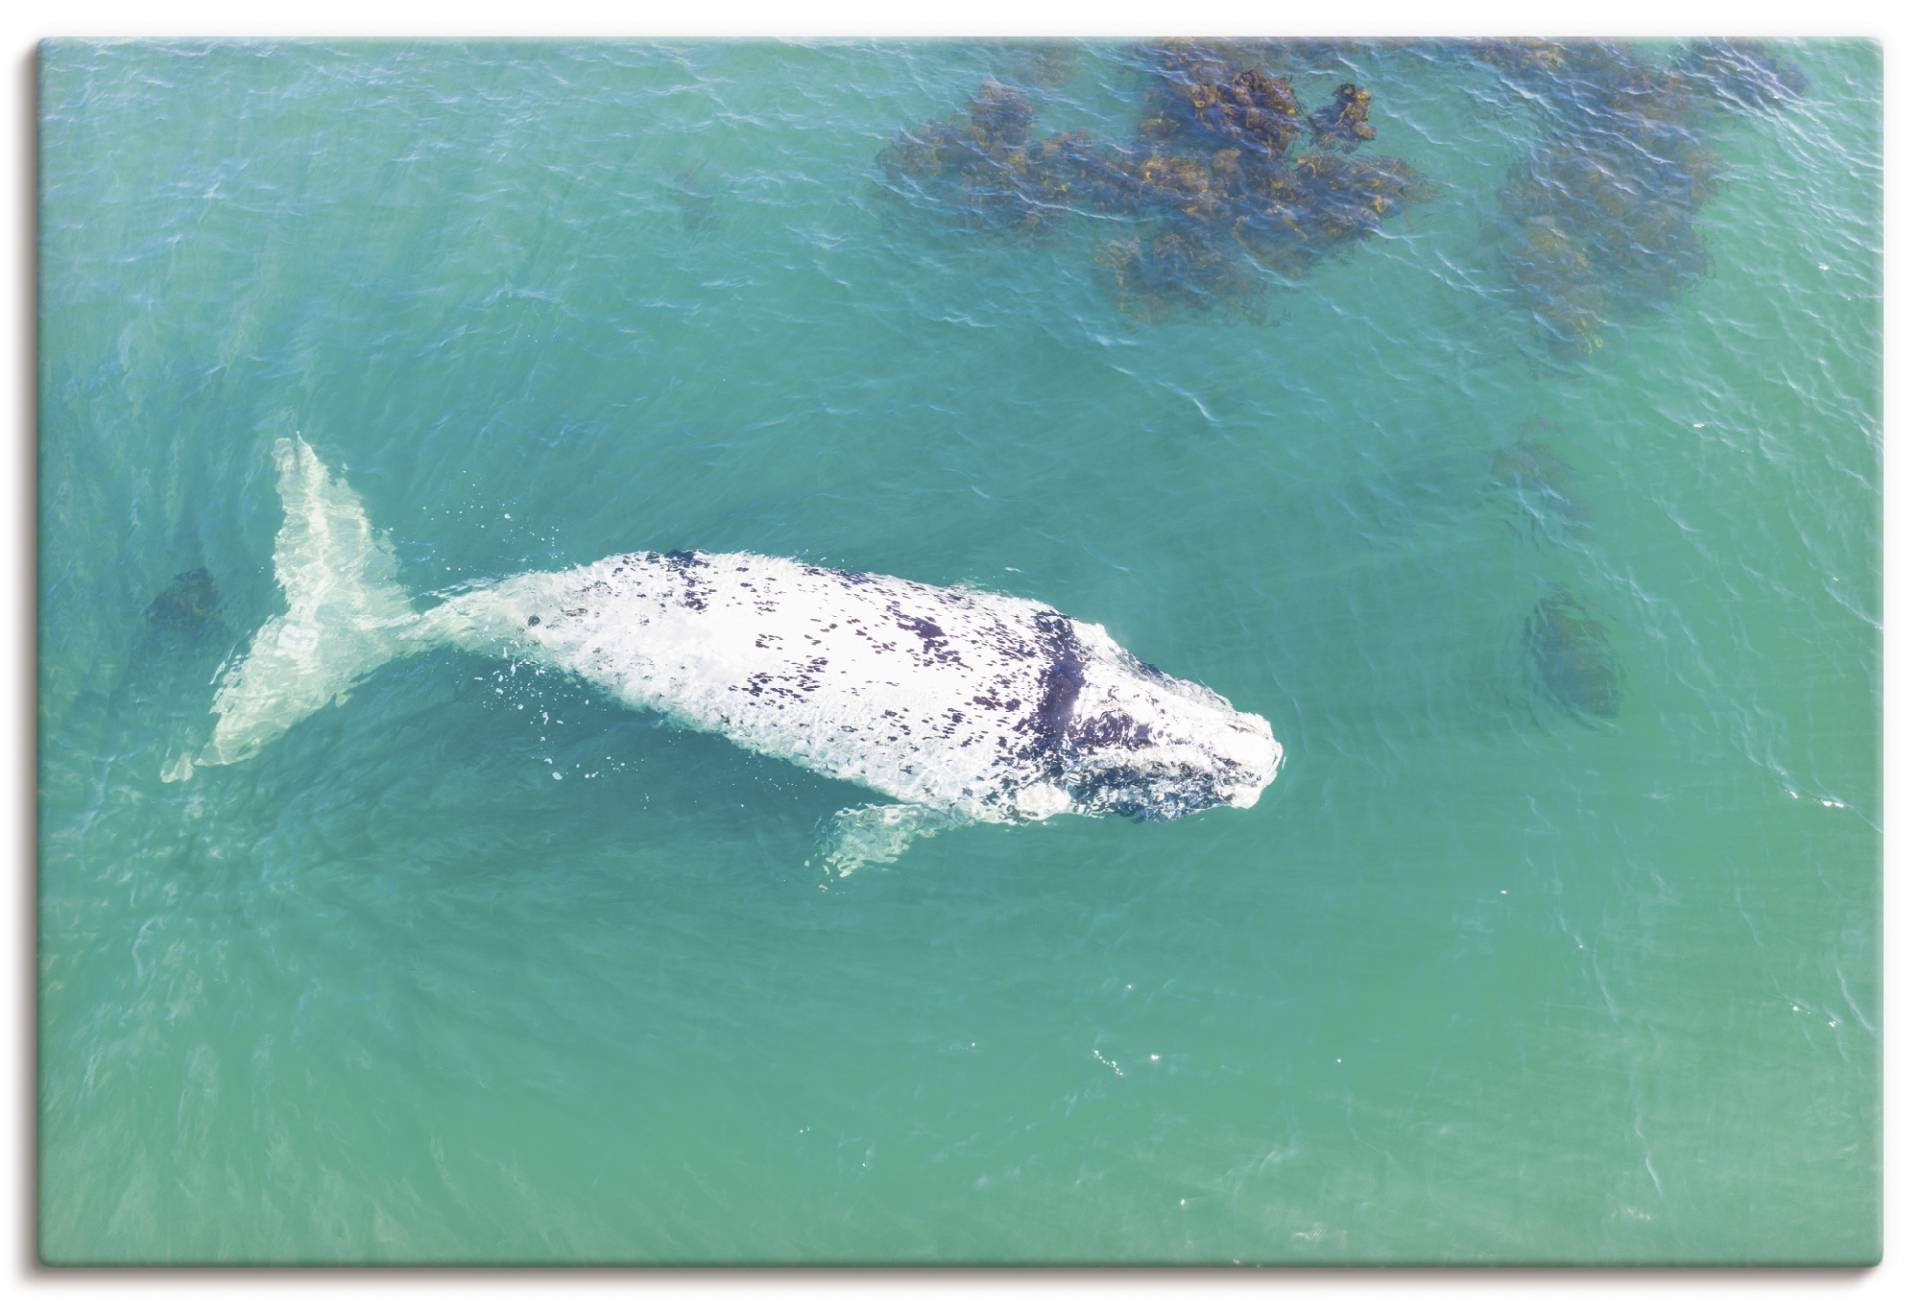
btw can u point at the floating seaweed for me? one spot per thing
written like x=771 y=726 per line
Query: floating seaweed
x=1743 y=73
x=1569 y=658
x=1523 y=489
x=1298 y=215
x=1558 y=73
x=1000 y=116
x=1214 y=164
x=983 y=164
x=1051 y=64
x=1535 y=490
x=1197 y=100
x=1343 y=122
x=1319 y=55
x=1176 y=268
x=1599 y=221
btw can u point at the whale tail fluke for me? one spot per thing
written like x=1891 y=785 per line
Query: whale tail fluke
x=346 y=614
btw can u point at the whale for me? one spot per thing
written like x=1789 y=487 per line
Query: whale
x=954 y=704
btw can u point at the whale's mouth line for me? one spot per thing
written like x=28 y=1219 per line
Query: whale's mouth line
x=1130 y=795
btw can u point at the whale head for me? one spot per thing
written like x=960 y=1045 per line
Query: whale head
x=1143 y=744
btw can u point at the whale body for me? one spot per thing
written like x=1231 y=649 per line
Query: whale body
x=957 y=705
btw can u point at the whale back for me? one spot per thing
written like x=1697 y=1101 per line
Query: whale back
x=966 y=701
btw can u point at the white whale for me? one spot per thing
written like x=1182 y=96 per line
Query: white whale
x=957 y=705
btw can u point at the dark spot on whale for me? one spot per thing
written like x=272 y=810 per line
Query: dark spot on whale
x=1113 y=729
x=533 y=620
x=1060 y=683
x=684 y=564
x=933 y=639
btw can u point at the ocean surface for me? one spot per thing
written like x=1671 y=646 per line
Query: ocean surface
x=1536 y=505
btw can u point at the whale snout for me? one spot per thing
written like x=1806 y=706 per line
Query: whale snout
x=1227 y=758
x=1251 y=757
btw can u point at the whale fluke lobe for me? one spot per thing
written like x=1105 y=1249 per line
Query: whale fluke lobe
x=955 y=705
x=346 y=615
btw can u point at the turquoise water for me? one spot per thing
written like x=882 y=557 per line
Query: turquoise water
x=1556 y=939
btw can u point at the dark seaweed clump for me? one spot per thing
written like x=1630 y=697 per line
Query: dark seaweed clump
x=1567 y=657
x=984 y=165
x=1230 y=173
x=160 y=701
x=1039 y=63
x=1534 y=487
x=1570 y=660
x=1598 y=224
x=186 y=605
x=1744 y=74
x=696 y=199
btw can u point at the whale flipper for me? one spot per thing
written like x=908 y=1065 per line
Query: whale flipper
x=877 y=835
